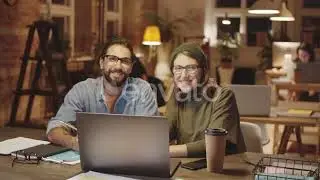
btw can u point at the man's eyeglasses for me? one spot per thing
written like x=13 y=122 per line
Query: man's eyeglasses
x=190 y=69
x=115 y=59
x=25 y=158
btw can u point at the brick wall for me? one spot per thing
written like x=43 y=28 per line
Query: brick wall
x=83 y=21
x=13 y=33
x=134 y=25
x=133 y=21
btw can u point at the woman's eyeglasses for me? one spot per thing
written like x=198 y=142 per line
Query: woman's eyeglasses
x=114 y=59
x=190 y=69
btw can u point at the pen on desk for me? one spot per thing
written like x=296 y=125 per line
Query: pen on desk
x=68 y=125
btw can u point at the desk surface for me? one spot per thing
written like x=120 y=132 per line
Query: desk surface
x=234 y=168
x=283 y=107
x=290 y=121
x=298 y=86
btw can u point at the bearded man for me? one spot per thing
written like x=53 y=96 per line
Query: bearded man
x=113 y=92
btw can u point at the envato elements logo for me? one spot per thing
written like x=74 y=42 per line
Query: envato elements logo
x=133 y=92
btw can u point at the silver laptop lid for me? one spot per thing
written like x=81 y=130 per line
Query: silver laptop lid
x=253 y=100
x=122 y=144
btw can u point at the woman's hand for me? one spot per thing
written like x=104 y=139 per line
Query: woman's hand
x=178 y=150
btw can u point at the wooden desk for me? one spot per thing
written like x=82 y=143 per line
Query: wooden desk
x=297 y=87
x=291 y=87
x=291 y=121
x=234 y=168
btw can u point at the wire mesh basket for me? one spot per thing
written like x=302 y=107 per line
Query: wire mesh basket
x=271 y=168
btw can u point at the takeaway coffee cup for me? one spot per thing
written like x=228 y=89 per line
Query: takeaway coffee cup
x=215 y=148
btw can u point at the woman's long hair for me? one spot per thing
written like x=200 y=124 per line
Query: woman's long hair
x=309 y=49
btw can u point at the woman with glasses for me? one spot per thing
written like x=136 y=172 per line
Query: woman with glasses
x=198 y=103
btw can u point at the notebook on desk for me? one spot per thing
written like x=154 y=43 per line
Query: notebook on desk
x=67 y=157
x=122 y=144
x=253 y=100
x=40 y=151
x=305 y=113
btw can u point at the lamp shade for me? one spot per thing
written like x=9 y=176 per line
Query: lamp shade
x=264 y=7
x=285 y=14
x=151 y=36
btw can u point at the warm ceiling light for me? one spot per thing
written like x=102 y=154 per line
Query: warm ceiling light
x=285 y=14
x=264 y=7
x=226 y=20
x=152 y=36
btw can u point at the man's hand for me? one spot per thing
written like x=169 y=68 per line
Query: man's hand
x=63 y=137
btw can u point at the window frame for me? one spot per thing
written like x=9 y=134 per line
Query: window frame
x=115 y=16
x=241 y=13
x=67 y=10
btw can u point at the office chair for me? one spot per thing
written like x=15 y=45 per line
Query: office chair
x=252 y=136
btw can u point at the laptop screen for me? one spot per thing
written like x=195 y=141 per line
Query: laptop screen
x=252 y=100
x=308 y=73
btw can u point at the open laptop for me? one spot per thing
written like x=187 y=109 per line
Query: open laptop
x=308 y=72
x=125 y=145
x=252 y=100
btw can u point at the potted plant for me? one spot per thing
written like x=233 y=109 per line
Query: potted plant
x=265 y=55
x=228 y=47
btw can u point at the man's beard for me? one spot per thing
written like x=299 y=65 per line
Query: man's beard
x=116 y=82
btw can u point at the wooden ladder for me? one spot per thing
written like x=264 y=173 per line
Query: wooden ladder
x=42 y=58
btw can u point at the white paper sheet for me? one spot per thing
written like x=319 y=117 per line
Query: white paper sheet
x=90 y=175
x=11 y=145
